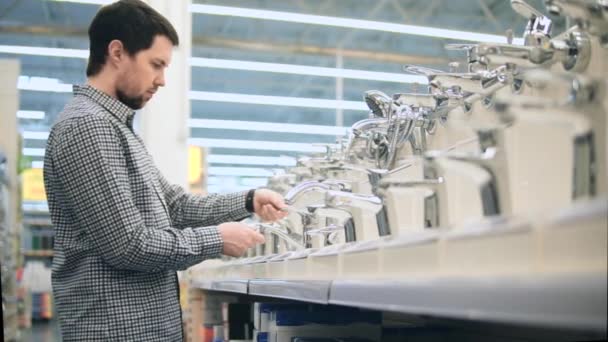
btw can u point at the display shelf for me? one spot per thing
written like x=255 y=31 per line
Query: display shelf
x=236 y=286
x=301 y=290
x=573 y=301
x=566 y=301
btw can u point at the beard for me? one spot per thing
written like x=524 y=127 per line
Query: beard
x=133 y=102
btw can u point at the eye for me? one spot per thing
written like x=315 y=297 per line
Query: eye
x=157 y=66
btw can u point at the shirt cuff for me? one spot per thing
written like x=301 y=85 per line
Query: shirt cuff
x=212 y=244
x=237 y=201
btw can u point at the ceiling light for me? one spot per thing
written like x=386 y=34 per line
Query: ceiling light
x=250 y=160
x=349 y=23
x=255 y=145
x=306 y=70
x=30 y=114
x=268 y=127
x=276 y=100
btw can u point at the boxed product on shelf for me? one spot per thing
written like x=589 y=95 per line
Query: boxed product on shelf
x=301 y=322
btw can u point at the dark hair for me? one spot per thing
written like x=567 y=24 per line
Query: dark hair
x=133 y=22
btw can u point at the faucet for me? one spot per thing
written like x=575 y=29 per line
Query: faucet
x=435 y=203
x=538 y=29
x=292 y=241
x=297 y=192
x=572 y=49
x=464 y=88
x=343 y=223
x=495 y=192
x=589 y=15
x=579 y=111
x=368 y=203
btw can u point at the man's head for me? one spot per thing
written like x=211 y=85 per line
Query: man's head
x=131 y=44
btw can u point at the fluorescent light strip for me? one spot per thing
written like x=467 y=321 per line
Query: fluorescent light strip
x=227 y=143
x=214 y=189
x=33 y=152
x=276 y=100
x=245 y=181
x=54 y=85
x=238 y=65
x=349 y=23
x=31 y=135
x=212 y=159
x=34 y=83
x=44 y=51
x=253 y=182
x=268 y=127
x=30 y=114
x=250 y=160
x=242 y=171
x=334 y=21
x=305 y=70
x=240 y=181
x=255 y=145
x=88 y=2
x=36 y=164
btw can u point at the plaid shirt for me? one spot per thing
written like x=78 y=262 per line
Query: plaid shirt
x=121 y=230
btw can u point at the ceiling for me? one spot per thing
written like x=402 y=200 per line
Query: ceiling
x=63 y=24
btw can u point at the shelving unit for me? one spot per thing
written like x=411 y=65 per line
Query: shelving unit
x=560 y=289
x=37 y=245
x=9 y=240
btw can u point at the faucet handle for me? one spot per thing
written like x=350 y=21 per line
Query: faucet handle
x=588 y=15
x=340 y=199
x=538 y=30
x=339 y=184
x=525 y=10
x=324 y=230
x=418 y=70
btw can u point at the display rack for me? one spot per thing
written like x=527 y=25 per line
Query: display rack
x=562 y=287
x=9 y=240
x=37 y=246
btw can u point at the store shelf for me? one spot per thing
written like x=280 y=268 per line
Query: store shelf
x=38 y=253
x=573 y=301
x=308 y=291
x=567 y=301
x=236 y=286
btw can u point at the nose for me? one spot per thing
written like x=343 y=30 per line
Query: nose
x=160 y=80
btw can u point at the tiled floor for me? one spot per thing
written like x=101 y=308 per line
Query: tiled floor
x=42 y=331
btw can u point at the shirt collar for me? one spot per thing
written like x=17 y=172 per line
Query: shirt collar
x=120 y=110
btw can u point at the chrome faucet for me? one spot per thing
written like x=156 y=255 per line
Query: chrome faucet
x=579 y=98
x=465 y=88
x=572 y=49
x=495 y=193
x=292 y=241
x=435 y=202
x=297 y=192
x=538 y=29
x=589 y=15
x=368 y=203
x=342 y=221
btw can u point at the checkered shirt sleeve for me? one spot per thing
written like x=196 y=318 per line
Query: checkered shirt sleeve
x=190 y=210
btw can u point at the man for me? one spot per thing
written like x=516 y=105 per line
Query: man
x=121 y=230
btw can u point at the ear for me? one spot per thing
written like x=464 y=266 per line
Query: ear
x=116 y=52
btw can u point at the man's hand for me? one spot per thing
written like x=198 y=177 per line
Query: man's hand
x=238 y=237
x=269 y=205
